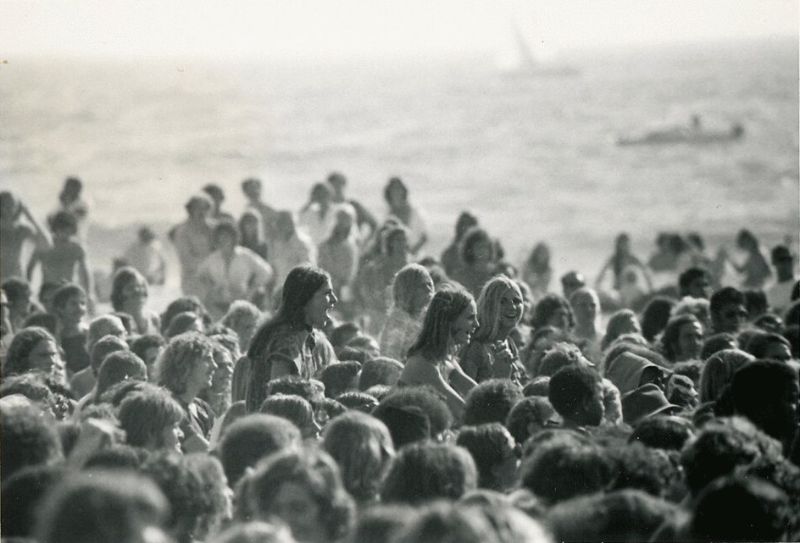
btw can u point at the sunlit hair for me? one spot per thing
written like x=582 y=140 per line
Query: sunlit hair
x=406 y=282
x=669 y=339
x=434 y=338
x=293 y=408
x=363 y=448
x=489 y=307
x=618 y=324
x=311 y=469
x=122 y=278
x=24 y=342
x=179 y=359
x=146 y=415
x=98 y=328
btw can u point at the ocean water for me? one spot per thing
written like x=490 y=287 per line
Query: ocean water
x=533 y=157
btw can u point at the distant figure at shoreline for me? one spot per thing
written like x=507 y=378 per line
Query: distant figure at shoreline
x=396 y=195
x=217 y=196
x=538 y=272
x=621 y=263
x=14 y=233
x=192 y=240
x=70 y=201
x=147 y=257
x=364 y=218
x=252 y=189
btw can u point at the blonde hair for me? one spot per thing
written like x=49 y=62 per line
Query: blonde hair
x=489 y=307
x=406 y=281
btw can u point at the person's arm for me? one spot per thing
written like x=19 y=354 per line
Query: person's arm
x=460 y=381
x=602 y=275
x=41 y=236
x=86 y=280
x=35 y=257
x=423 y=239
x=645 y=271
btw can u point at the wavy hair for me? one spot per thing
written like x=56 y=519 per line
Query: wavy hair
x=489 y=306
x=444 y=309
x=405 y=282
x=179 y=359
x=24 y=342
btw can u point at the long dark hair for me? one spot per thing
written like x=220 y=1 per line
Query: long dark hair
x=444 y=309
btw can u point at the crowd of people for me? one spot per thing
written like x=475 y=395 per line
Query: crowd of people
x=323 y=378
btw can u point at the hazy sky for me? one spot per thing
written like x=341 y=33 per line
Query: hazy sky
x=372 y=28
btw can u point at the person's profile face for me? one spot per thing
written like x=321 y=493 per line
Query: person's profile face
x=690 y=341
x=700 y=287
x=317 y=311
x=74 y=309
x=45 y=357
x=464 y=325
x=778 y=351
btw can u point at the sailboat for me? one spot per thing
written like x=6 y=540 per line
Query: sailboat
x=529 y=66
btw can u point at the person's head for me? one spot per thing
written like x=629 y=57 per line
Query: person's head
x=576 y=394
x=303 y=488
x=242 y=317
x=33 y=350
x=746 y=241
x=71 y=190
x=491 y=401
x=344 y=224
x=225 y=237
x=621 y=322
x=181 y=305
x=102 y=326
x=495 y=453
x=728 y=313
x=720 y=447
x=465 y=221
x=528 y=416
x=412 y=289
x=694 y=282
x=413 y=413
x=98 y=505
x=9 y=207
x=381 y=523
x=449 y=322
x=768 y=394
x=63 y=225
x=250 y=229
x=783 y=260
x=477 y=247
x=187 y=364
x=572 y=281
x=737 y=508
x=251 y=188
x=585 y=306
x=216 y=194
x=199 y=206
x=148 y=347
x=295 y=409
x=22 y=494
x=340 y=377
x=253 y=532
x=307 y=297
x=560 y=355
x=337 y=182
x=117 y=367
x=565 y=466
x=379 y=371
x=622 y=515
x=682 y=339
x=69 y=303
x=151 y=419
x=395 y=193
x=182 y=323
x=769 y=346
x=668 y=432
x=29 y=438
x=394 y=241
x=363 y=449
x=552 y=310
x=128 y=290
x=655 y=316
x=252 y=438
x=718 y=371
x=500 y=308
x=622 y=244
x=427 y=471
x=320 y=194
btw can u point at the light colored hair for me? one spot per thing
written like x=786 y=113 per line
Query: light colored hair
x=406 y=281
x=489 y=307
x=181 y=356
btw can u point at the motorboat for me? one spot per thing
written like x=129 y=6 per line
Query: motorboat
x=692 y=135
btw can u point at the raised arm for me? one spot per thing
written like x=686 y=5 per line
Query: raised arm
x=41 y=235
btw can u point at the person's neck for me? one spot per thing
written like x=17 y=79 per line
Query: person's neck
x=785 y=275
x=70 y=328
x=188 y=396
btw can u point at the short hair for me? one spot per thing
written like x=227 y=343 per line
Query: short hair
x=531 y=410
x=689 y=276
x=23 y=343
x=100 y=506
x=616 y=326
x=48 y=321
x=759 y=343
x=379 y=371
x=720 y=447
x=560 y=355
x=360 y=401
x=445 y=307
x=226 y=227
x=141 y=344
x=146 y=415
x=29 y=439
x=725 y=296
x=179 y=359
x=655 y=316
x=98 y=328
x=181 y=305
x=181 y=324
x=549 y=304
x=380 y=523
x=293 y=408
x=363 y=448
x=426 y=400
x=104 y=347
x=622 y=515
x=117 y=367
x=404 y=283
x=570 y=387
x=427 y=471
x=717 y=342
x=338 y=377
x=737 y=508
x=122 y=278
x=63 y=220
x=488 y=445
x=668 y=432
x=294 y=384
x=315 y=471
x=394 y=182
x=564 y=467
x=66 y=292
x=251 y=438
x=643 y=468
x=759 y=385
x=491 y=401
x=22 y=494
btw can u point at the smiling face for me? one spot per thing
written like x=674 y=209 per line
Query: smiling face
x=317 y=311
x=690 y=341
x=511 y=308
x=74 y=309
x=463 y=327
x=134 y=294
x=170 y=438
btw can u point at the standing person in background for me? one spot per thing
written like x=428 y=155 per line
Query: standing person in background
x=217 y=196
x=338 y=255
x=192 y=240
x=251 y=234
x=129 y=293
x=364 y=218
x=451 y=257
x=231 y=272
x=754 y=270
x=537 y=272
x=59 y=261
x=779 y=295
x=147 y=257
x=14 y=233
x=252 y=188
x=396 y=195
x=620 y=262
x=478 y=258
x=412 y=290
x=69 y=303
x=70 y=201
x=318 y=217
x=289 y=247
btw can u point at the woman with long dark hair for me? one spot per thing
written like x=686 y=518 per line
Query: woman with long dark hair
x=292 y=343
